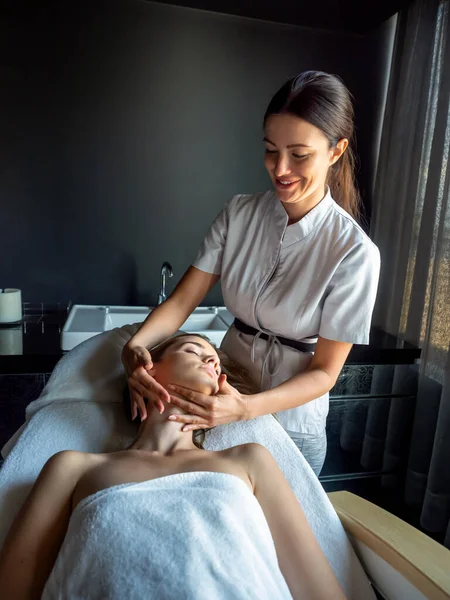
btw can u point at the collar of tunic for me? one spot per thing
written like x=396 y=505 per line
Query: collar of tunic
x=298 y=231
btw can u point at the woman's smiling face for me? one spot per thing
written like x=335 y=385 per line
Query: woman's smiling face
x=297 y=158
x=190 y=362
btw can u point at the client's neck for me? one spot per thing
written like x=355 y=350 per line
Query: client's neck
x=160 y=436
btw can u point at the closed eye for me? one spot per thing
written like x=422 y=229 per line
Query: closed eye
x=192 y=351
x=296 y=156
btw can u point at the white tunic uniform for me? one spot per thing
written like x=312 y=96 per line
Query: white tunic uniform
x=317 y=276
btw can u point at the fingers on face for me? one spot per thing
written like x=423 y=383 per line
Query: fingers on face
x=157 y=389
x=192 y=420
x=133 y=410
x=195 y=427
x=149 y=385
x=137 y=403
x=185 y=393
x=196 y=398
x=190 y=408
x=137 y=394
x=135 y=384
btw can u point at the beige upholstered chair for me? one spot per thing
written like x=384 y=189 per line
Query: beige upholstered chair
x=402 y=562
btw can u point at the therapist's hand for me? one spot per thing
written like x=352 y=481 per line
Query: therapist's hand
x=137 y=362
x=203 y=411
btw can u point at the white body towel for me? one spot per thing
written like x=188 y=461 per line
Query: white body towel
x=199 y=535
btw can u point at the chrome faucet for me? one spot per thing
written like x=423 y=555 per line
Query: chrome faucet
x=166 y=271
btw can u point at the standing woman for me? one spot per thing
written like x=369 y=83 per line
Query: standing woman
x=297 y=272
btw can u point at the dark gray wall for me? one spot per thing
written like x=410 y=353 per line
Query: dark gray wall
x=126 y=125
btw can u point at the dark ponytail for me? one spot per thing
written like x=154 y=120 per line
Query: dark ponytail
x=341 y=179
x=324 y=101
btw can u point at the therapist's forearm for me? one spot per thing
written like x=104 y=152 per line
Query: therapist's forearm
x=168 y=317
x=161 y=323
x=294 y=392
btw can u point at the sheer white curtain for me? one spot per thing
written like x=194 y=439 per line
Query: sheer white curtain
x=411 y=226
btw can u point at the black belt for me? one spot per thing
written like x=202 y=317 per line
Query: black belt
x=301 y=346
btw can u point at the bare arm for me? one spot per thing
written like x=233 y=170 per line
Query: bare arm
x=36 y=535
x=301 y=560
x=315 y=381
x=165 y=319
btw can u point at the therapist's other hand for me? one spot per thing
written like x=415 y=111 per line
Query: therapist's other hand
x=137 y=362
x=203 y=411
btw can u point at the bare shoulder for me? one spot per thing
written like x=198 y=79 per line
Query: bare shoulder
x=71 y=457
x=260 y=458
x=255 y=459
x=68 y=462
x=251 y=450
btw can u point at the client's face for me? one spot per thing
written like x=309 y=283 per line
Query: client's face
x=190 y=362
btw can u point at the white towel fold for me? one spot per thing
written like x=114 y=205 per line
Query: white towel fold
x=189 y=536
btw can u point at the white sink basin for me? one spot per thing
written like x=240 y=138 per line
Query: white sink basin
x=85 y=321
x=200 y=320
x=118 y=316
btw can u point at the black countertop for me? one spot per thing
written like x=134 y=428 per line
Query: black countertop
x=34 y=346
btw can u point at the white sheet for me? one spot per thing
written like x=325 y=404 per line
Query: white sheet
x=195 y=535
x=80 y=409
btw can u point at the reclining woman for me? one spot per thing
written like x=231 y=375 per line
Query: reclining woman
x=165 y=518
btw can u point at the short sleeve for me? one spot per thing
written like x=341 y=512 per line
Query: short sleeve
x=210 y=253
x=348 y=306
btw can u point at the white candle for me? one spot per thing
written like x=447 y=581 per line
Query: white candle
x=10 y=305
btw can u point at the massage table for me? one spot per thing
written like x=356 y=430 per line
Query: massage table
x=81 y=409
